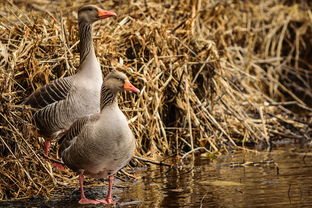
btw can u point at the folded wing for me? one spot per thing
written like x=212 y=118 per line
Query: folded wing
x=50 y=93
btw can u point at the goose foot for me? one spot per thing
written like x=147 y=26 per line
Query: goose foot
x=106 y=201
x=109 y=199
x=88 y=201
x=83 y=199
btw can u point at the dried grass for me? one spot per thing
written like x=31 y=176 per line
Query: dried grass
x=213 y=75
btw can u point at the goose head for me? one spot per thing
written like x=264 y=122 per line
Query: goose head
x=91 y=13
x=117 y=81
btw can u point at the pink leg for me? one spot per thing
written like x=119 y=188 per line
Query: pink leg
x=83 y=199
x=47 y=145
x=108 y=199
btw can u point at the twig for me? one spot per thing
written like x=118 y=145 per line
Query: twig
x=152 y=162
x=194 y=150
x=53 y=160
x=202 y=200
x=127 y=174
x=266 y=136
x=188 y=115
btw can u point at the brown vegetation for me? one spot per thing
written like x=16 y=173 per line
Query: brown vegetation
x=213 y=74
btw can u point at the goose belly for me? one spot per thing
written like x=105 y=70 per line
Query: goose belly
x=107 y=167
x=113 y=150
x=109 y=162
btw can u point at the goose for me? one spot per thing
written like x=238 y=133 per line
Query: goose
x=59 y=103
x=99 y=145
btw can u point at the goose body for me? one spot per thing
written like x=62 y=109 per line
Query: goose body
x=104 y=144
x=99 y=145
x=64 y=100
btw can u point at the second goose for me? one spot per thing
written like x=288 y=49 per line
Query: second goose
x=101 y=144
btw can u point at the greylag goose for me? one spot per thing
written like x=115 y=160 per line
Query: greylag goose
x=61 y=102
x=99 y=145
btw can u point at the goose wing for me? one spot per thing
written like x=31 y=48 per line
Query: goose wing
x=52 y=92
x=75 y=129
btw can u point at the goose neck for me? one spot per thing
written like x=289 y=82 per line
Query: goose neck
x=86 y=41
x=108 y=98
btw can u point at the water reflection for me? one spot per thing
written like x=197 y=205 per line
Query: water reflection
x=281 y=178
x=284 y=180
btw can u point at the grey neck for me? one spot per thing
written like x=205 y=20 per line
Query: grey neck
x=86 y=41
x=108 y=97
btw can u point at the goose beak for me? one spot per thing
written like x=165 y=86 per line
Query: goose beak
x=129 y=87
x=105 y=14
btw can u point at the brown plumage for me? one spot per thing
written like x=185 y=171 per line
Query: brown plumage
x=101 y=144
x=64 y=100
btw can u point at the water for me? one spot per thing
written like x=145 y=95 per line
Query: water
x=281 y=178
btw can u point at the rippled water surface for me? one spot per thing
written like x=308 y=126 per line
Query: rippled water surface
x=280 y=178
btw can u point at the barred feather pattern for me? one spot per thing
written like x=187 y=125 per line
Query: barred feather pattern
x=75 y=130
x=53 y=92
x=52 y=118
x=107 y=97
x=85 y=32
x=59 y=116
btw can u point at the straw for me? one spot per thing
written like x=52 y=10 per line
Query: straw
x=213 y=75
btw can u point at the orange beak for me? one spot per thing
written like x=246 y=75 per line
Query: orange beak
x=105 y=14
x=129 y=87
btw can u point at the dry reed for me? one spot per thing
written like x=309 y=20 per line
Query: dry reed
x=213 y=75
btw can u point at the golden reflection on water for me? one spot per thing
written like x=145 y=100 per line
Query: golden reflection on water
x=281 y=178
